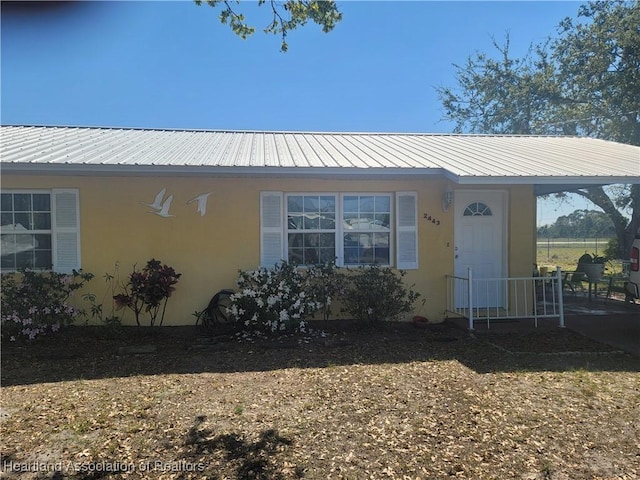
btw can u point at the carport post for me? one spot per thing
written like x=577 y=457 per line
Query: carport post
x=560 y=299
x=470 y=297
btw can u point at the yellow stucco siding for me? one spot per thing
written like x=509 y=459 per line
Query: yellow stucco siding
x=117 y=226
x=522 y=232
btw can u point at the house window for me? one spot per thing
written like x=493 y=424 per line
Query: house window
x=39 y=229
x=477 y=209
x=353 y=229
x=366 y=221
x=26 y=230
x=311 y=229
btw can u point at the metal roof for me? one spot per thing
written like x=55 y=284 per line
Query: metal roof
x=462 y=158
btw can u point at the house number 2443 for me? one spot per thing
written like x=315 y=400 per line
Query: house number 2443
x=431 y=219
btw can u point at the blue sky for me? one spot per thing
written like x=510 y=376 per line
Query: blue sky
x=173 y=65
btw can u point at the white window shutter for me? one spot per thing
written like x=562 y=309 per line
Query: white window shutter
x=406 y=230
x=271 y=229
x=66 y=230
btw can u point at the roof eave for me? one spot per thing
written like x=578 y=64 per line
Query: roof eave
x=199 y=170
x=552 y=184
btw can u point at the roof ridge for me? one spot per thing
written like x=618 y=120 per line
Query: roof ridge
x=294 y=132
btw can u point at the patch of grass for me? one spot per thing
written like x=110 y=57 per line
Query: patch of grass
x=82 y=426
x=565 y=253
x=585 y=384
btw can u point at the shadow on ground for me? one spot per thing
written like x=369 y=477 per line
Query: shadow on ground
x=88 y=353
x=249 y=459
x=615 y=323
x=202 y=453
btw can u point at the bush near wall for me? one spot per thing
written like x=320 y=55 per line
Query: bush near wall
x=36 y=303
x=376 y=294
x=280 y=299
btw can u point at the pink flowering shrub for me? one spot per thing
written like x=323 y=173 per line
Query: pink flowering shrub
x=35 y=303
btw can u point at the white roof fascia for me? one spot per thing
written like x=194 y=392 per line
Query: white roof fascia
x=550 y=180
x=299 y=172
x=191 y=170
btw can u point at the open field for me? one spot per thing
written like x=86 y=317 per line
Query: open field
x=391 y=403
x=565 y=252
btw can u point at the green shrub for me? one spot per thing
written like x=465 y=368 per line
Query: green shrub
x=375 y=293
x=97 y=308
x=612 y=251
x=35 y=303
x=326 y=283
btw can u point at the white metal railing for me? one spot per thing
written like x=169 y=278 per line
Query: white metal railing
x=486 y=299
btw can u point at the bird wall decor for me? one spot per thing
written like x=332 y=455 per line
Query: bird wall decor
x=160 y=207
x=202 y=203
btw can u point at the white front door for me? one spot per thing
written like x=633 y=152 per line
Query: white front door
x=479 y=243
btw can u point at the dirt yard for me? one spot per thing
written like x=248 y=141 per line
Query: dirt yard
x=376 y=404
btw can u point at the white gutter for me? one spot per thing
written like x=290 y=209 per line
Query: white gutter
x=549 y=180
x=89 y=169
x=195 y=170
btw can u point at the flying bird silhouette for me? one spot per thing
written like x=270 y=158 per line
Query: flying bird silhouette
x=164 y=210
x=160 y=207
x=157 y=202
x=202 y=203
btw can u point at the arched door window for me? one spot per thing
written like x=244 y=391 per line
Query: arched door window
x=477 y=209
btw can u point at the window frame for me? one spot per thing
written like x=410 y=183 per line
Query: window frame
x=474 y=210
x=391 y=231
x=339 y=230
x=34 y=232
x=65 y=238
x=287 y=231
